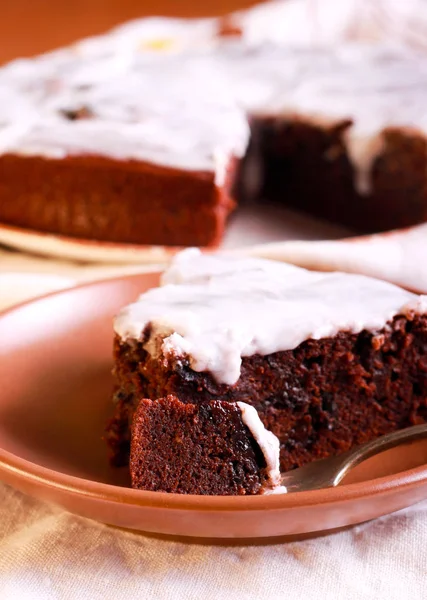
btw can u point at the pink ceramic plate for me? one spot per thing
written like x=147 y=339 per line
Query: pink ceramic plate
x=55 y=398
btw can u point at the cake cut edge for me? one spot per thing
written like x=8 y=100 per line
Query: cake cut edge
x=215 y=448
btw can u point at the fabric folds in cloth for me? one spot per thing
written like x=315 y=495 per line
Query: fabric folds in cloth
x=49 y=554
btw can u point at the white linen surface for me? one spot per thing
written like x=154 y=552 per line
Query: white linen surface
x=48 y=554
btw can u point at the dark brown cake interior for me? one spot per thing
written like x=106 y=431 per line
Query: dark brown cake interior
x=193 y=449
x=320 y=399
x=306 y=166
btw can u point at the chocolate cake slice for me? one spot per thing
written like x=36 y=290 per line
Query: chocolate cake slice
x=328 y=360
x=214 y=448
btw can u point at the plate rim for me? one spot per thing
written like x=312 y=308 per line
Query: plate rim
x=73 y=248
x=53 y=479
x=28 y=471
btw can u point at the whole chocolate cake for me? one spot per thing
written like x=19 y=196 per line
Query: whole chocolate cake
x=151 y=133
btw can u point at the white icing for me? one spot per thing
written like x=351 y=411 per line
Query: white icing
x=406 y=21
x=319 y=22
x=268 y=443
x=173 y=92
x=217 y=309
x=311 y=22
x=156 y=110
x=362 y=152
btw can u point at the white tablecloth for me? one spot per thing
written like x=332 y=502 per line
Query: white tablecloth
x=49 y=554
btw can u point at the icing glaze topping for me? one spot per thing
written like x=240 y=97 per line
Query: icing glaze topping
x=214 y=310
x=269 y=445
x=134 y=108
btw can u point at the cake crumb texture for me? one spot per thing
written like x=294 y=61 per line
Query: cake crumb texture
x=193 y=449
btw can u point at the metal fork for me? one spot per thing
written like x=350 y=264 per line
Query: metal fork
x=329 y=472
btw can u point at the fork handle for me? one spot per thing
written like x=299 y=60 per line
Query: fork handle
x=329 y=472
x=386 y=442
